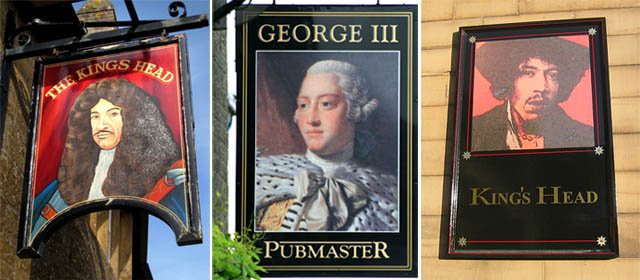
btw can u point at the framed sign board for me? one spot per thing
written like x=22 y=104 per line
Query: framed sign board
x=533 y=173
x=111 y=128
x=328 y=152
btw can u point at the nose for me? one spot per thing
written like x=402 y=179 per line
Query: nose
x=103 y=122
x=540 y=83
x=313 y=117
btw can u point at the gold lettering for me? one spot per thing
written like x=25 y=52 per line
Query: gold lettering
x=332 y=251
x=579 y=198
x=332 y=33
x=307 y=33
x=283 y=29
x=268 y=250
x=381 y=248
x=270 y=34
x=318 y=33
x=99 y=67
x=567 y=197
x=301 y=251
x=355 y=33
x=282 y=252
x=376 y=250
x=393 y=33
x=316 y=254
x=111 y=65
x=81 y=73
x=475 y=196
x=366 y=252
x=555 y=195
x=149 y=69
x=384 y=33
x=140 y=65
x=158 y=72
x=375 y=34
x=502 y=198
x=592 y=197
x=344 y=251
x=168 y=77
x=58 y=88
x=124 y=65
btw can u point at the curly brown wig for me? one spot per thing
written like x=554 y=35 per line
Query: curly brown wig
x=145 y=152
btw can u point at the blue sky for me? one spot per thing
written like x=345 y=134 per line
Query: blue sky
x=166 y=259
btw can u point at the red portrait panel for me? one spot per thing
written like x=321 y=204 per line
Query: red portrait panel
x=532 y=93
x=154 y=70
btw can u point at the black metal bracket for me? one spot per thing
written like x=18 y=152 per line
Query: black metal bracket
x=79 y=39
x=107 y=37
x=21 y=37
x=226 y=9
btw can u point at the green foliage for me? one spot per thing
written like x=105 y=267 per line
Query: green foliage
x=235 y=257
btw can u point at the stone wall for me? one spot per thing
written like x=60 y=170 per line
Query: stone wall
x=220 y=122
x=440 y=19
x=71 y=252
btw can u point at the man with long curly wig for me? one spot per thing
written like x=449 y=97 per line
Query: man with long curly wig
x=118 y=145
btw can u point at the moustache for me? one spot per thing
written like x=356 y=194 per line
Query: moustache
x=103 y=131
x=536 y=101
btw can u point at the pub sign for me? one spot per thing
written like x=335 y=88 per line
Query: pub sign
x=111 y=128
x=327 y=163
x=533 y=173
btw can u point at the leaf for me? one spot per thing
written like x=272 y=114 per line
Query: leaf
x=236 y=256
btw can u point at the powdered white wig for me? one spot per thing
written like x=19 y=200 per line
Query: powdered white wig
x=352 y=85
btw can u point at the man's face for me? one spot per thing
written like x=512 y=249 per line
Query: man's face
x=536 y=88
x=106 y=124
x=322 y=114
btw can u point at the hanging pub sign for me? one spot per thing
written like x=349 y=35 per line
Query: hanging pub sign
x=328 y=152
x=533 y=173
x=111 y=128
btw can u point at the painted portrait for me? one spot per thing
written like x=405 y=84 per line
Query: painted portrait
x=532 y=93
x=327 y=131
x=109 y=131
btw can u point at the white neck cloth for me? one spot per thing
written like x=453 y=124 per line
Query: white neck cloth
x=102 y=168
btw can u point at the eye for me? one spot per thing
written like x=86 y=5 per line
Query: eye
x=527 y=73
x=329 y=102
x=94 y=117
x=302 y=106
x=114 y=114
x=553 y=75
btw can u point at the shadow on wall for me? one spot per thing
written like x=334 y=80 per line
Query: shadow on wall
x=71 y=252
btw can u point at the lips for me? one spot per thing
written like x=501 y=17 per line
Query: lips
x=313 y=132
x=535 y=105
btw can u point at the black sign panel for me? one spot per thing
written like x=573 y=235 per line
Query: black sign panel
x=328 y=151
x=533 y=173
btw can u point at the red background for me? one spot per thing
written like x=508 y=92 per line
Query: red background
x=579 y=106
x=52 y=120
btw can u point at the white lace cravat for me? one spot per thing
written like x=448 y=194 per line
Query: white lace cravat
x=102 y=168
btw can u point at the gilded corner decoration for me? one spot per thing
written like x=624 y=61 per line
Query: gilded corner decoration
x=533 y=173
x=111 y=128
x=328 y=152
